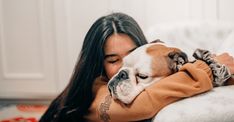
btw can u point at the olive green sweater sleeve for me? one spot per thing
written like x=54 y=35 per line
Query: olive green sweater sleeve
x=192 y=79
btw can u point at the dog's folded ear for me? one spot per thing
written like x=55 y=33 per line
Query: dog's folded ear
x=179 y=59
x=157 y=41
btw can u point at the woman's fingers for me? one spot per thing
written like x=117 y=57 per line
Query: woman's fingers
x=227 y=60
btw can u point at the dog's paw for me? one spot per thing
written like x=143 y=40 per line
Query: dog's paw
x=178 y=59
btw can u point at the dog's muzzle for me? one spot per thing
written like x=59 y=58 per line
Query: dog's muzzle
x=121 y=76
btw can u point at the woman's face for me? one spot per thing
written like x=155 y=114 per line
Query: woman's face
x=116 y=48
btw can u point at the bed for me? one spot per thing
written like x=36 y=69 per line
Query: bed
x=216 y=105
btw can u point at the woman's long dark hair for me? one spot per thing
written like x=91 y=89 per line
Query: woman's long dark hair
x=73 y=103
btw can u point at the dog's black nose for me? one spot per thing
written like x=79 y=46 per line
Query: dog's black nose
x=123 y=75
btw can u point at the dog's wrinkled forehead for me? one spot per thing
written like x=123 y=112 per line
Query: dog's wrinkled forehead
x=142 y=52
x=137 y=58
x=143 y=56
x=140 y=59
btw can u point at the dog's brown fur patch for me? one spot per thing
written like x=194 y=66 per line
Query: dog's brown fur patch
x=161 y=62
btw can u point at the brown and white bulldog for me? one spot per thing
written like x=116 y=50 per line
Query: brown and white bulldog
x=154 y=61
x=144 y=66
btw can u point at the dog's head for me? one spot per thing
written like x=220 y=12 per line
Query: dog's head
x=142 y=67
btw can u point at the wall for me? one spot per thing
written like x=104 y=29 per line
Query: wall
x=40 y=39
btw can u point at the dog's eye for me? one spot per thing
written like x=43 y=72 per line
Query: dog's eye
x=142 y=76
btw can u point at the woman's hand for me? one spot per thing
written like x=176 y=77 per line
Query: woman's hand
x=227 y=60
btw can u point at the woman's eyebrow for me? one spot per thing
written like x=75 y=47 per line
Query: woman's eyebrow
x=110 y=55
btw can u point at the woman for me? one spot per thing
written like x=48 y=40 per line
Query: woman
x=86 y=97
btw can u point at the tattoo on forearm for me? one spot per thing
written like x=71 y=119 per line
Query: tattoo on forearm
x=103 y=109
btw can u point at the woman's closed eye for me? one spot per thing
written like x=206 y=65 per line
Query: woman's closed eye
x=113 y=61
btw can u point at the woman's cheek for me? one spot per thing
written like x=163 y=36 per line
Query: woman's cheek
x=112 y=69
